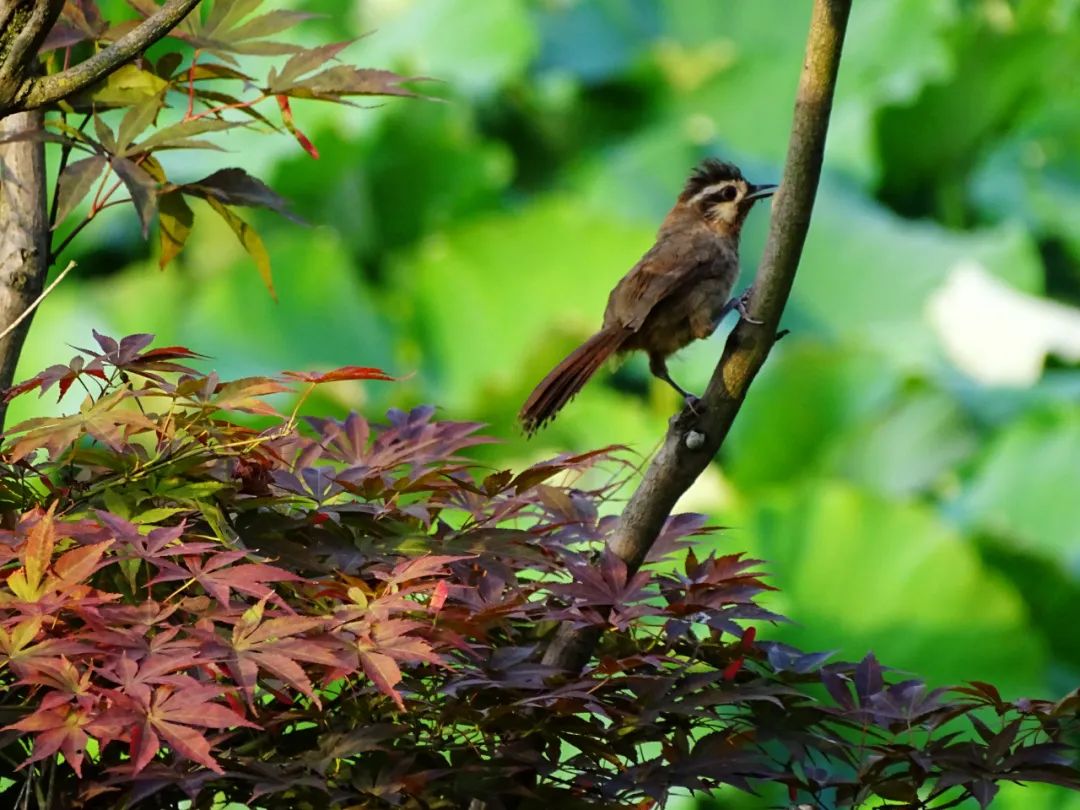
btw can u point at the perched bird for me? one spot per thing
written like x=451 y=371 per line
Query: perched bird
x=678 y=292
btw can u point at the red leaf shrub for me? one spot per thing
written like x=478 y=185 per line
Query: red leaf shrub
x=337 y=613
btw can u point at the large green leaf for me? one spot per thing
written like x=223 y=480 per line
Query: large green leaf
x=818 y=411
x=490 y=296
x=737 y=64
x=421 y=169
x=1008 y=69
x=1019 y=489
x=1051 y=592
x=1036 y=797
x=325 y=318
x=866 y=275
x=915 y=445
x=597 y=41
x=857 y=572
x=1033 y=177
x=474 y=47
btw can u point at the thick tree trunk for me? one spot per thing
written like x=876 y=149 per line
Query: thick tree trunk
x=24 y=235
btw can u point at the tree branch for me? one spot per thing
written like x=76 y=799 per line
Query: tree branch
x=694 y=439
x=38 y=92
x=24 y=24
x=24 y=234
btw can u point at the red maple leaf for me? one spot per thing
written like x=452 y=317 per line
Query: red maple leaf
x=174 y=715
x=60 y=375
x=343 y=373
x=22 y=649
x=277 y=645
x=42 y=582
x=217 y=574
x=62 y=728
x=382 y=644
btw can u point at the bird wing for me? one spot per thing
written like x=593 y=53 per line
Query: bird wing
x=668 y=265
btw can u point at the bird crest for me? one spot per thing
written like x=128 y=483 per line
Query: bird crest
x=708 y=173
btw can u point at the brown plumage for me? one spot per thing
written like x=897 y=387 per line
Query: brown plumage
x=678 y=292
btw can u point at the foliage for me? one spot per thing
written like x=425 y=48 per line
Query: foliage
x=183 y=97
x=904 y=504
x=204 y=597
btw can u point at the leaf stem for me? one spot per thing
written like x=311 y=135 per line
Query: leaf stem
x=65 y=154
x=239 y=105
x=191 y=84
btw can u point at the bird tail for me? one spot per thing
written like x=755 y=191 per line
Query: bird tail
x=567 y=378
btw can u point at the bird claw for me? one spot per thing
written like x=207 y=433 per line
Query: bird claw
x=694 y=404
x=741 y=305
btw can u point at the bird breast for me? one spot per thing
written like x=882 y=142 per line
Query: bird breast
x=689 y=313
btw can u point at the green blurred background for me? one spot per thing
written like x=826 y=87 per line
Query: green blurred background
x=908 y=462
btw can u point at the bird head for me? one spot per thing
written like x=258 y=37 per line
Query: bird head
x=718 y=192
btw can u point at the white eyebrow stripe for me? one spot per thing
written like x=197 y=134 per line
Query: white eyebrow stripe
x=711 y=189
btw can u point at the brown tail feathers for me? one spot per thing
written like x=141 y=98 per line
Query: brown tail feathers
x=567 y=378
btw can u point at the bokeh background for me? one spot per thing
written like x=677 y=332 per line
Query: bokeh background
x=908 y=462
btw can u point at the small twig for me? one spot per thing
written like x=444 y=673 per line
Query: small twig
x=291 y=422
x=239 y=105
x=100 y=198
x=37 y=301
x=78 y=228
x=99 y=204
x=191 y=85
x=65 y=155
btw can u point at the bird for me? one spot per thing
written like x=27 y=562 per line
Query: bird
x=678 y=292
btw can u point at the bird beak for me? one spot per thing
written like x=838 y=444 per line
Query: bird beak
x=760 y=192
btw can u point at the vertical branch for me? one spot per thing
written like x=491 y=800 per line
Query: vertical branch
x=694 y=439
x=24 y=234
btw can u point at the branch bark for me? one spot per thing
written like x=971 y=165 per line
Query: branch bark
x=24 y=235
x=693 y=440
x=24 y=24
x=38 y=92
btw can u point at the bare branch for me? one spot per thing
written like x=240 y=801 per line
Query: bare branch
x=48 y=89
x=694 y=439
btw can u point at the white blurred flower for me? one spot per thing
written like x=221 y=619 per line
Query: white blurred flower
x=997 y=335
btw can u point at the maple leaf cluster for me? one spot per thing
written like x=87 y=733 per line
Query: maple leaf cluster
x=201 y=84
x=204 y=596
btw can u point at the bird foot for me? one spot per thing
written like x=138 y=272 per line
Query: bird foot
x=741 y=305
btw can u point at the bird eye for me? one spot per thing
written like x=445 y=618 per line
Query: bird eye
x=724 y=195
